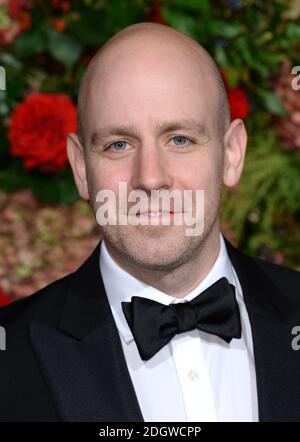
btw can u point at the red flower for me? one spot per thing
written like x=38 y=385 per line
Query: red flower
x=15 y=8
x=59 y=25
x=62 y=5
x=4 y=299
x=38 y=130
x=155 y=14
x=238 y=101
x=239 y=106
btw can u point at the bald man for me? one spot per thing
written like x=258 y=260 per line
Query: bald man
x=162 y=322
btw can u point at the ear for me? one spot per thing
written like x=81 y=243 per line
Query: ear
x=235 y=143
x=76 y=158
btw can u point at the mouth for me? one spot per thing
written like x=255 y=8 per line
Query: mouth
x=155 y=214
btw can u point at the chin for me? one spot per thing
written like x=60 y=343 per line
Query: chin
x=159 y=253
x=157 y=261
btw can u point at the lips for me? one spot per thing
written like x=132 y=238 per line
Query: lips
x=153 y=214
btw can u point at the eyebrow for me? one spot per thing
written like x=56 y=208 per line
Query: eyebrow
x=129 y=130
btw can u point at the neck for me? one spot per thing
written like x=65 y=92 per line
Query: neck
x=182 y=280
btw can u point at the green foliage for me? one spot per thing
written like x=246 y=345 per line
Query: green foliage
x=249 y=40
x=266 y=204
x=62 y=47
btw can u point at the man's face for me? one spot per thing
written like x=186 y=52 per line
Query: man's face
x=148 y=91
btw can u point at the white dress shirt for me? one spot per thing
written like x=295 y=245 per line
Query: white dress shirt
x=196 y=377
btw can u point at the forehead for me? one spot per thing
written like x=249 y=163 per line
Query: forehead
x=129 y=83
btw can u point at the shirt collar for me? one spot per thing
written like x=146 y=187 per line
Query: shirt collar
x=121 y=286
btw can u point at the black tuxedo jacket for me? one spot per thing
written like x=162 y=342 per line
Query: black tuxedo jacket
x=64 y=360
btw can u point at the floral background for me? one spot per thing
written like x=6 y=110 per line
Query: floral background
x=46 y=231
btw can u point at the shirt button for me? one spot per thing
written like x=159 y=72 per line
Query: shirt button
x=193 y=375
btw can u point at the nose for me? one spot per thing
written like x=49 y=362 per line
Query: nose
x=151 y=169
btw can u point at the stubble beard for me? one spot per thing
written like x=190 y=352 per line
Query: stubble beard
x=154 y=251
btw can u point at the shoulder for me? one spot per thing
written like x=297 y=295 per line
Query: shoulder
x=282 y=276
x=282 y=282
x=45 y=303
x=264 y=276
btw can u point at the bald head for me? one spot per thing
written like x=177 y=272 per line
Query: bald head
x=147 y=39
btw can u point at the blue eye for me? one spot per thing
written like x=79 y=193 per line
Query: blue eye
x=118 y=145
x=180 y=138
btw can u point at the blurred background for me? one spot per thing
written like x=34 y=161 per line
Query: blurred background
x=46 y=231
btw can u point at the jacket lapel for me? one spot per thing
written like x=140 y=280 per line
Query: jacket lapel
x=272 y=317
x=82 y=359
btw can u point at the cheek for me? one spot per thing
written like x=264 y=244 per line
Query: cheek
x=196 y=177
x=106 y=175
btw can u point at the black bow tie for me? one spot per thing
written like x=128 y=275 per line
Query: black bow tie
x=153 y=324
